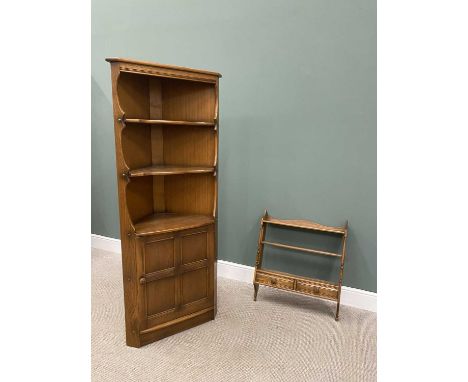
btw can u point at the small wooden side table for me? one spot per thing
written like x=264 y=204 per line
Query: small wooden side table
x=304 y=285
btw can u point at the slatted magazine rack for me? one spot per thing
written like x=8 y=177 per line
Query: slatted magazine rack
x=304 y=285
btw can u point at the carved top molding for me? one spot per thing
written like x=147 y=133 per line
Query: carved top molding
x=157 y=69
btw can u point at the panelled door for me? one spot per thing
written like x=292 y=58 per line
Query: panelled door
x=176 y=274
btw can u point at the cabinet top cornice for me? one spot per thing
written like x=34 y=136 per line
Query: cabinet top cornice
x=158 y=65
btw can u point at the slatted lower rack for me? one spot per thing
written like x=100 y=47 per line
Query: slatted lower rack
x=304 y=285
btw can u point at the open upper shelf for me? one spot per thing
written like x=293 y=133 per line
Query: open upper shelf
x=168 y=122
x=155 y=148
x=184 y=195
x=159 y=100
x=167 y=222
x=306 y=224
x=169 y=145
x=170 y=170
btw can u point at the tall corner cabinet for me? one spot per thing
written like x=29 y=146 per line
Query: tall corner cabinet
x=166 y=141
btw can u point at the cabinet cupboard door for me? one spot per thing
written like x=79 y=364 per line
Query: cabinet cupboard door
x=176 y=275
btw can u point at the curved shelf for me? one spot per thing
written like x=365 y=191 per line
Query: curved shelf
x=168 y=222
x=306 y=224
x=169 y=170
x=167 y=122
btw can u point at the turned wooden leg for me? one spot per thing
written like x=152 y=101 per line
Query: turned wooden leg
x=337 y=311
x=255 y=291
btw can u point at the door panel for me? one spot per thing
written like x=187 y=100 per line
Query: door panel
x=176 y=272
x=159 y=255
x=193 y=247
x=194 y=286
x=157 y=259
x=160 y=296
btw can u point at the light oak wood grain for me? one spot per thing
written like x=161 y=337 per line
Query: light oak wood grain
x=166 y=131
x=168 y=222
x=169 y=170
x=305 y=224
x=168 y=122
x=157 y=65
x=299 y=284
x=296 y=248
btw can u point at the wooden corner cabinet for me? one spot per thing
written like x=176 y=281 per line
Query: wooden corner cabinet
x=166 y=140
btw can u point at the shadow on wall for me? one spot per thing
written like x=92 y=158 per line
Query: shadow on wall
x=104 y=202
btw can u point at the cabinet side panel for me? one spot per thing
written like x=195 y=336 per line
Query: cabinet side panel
x=140 y=197
x=157 y=141
x=155 y=98
x=188 y=100
x=129 y=265
x=189 y=145
x=190 y=193
x=212 y=261
x=136 y=146
x=157 y=152
x=133 y=93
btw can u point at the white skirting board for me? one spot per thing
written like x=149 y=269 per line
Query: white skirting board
x=356 y=298
x=106 y=243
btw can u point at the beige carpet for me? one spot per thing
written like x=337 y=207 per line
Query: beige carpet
x=281 y=337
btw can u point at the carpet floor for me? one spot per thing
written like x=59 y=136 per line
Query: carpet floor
x=281 y=337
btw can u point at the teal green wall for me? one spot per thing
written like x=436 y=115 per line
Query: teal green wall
x=297 y=108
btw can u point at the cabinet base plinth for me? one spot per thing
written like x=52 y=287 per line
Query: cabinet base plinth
x=170 y=329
